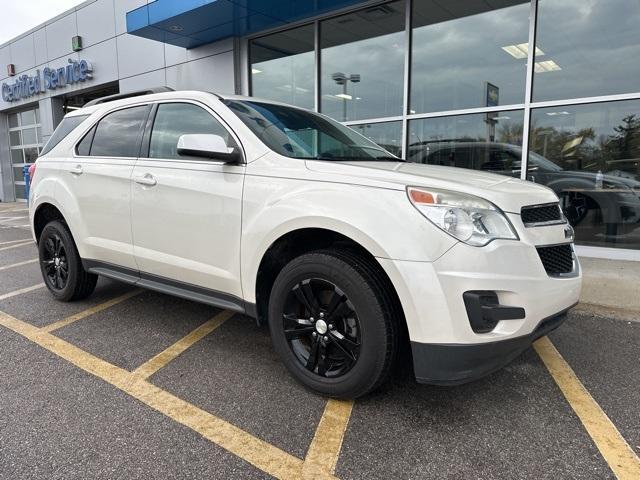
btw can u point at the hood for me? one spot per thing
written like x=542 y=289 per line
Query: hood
x=507 y=193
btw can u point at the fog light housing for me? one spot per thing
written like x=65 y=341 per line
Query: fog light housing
x=484 y=310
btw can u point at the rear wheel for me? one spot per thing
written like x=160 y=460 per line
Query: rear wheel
x=331 y=321
x=61 y=265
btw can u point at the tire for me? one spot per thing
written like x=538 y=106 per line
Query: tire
x=356 y=347
x=61 y=265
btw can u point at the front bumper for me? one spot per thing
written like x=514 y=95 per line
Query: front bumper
x=455 y=364
x=447 y=348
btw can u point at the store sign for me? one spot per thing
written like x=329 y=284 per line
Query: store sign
x=49 y=79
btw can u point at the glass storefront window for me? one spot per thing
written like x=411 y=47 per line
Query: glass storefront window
x=468 y=54
x=28 y=117
x=29 y=136
x=483 y=141
x=586 y=48
x=590 y=156
x=362 y=63
x=16 y=156
x=15 y=138
x=388 y=135
x=282 y=67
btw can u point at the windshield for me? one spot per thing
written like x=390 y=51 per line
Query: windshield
x=302 y=134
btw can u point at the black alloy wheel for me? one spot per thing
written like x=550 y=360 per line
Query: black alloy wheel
x=54 y=263
x=61 y=265
x=322 y=328
x=334 y=322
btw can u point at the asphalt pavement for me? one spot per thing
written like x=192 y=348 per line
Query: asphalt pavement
x=135 y=384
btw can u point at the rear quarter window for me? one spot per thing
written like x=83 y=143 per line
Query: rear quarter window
x=67 y=125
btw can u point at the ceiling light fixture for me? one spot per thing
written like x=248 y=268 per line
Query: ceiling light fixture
x=521 y=50
x=546 y=66
x=255 y=71
x=346 y=96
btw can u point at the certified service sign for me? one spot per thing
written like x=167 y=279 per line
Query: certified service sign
x=51 y=78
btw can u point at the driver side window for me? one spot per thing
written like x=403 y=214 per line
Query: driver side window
x=176 y=119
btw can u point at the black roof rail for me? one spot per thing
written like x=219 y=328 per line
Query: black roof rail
x=120 y=96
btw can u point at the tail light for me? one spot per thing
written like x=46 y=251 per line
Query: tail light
x=32 y=172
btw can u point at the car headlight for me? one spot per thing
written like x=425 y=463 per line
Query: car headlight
x=470 y=219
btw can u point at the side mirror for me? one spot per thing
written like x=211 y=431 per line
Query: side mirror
x=207 y=146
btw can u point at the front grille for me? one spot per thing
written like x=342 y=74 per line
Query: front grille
x=537 y=215
x=557 y=259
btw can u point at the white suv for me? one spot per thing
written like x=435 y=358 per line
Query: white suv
x=350 y=254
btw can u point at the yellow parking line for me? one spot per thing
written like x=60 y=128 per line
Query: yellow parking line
x=30 y=242
x=622 y=460
x=90 y=311
x=19 y=264
x=15 y=241
x=259 y=453
x=21 y=291
x=163 y=358
x=324 y=450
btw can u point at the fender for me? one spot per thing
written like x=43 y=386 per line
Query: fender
x=271 y=210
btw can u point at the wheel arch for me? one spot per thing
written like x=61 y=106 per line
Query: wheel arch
x=298 y=242
x=45 y=212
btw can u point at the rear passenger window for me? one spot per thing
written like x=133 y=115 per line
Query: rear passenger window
x=118 y=134
x=176 y=119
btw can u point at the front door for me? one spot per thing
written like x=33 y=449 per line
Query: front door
x=186 y=211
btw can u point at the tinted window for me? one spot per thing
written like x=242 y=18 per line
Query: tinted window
x=118 y=134
x=176 y=119
x=84 y=147
x=67 y=125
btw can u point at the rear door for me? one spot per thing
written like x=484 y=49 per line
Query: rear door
x=98 y=178
x=186 y=211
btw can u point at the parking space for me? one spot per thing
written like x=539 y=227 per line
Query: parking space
x=135 y=384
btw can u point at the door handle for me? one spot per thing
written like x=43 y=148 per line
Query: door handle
x=146 y=179
x=77 y=170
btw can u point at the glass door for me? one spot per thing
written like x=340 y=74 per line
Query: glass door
x=25 y=142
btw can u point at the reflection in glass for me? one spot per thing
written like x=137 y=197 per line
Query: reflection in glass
x=282 y=67
x=586 y=48
x=483 y=141
x=363 y=63
x=388 y=135
x=117 y=134
x=590 y=156
x=28 y=117
x=176 y=119
x=306 y=135
x=471 y=54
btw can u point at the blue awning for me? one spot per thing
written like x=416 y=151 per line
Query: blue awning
x=191 y=23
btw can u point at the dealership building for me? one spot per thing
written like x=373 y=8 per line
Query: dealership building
x=544 y=90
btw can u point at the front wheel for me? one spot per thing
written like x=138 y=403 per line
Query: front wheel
x=331 y=317
x=61 y=265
